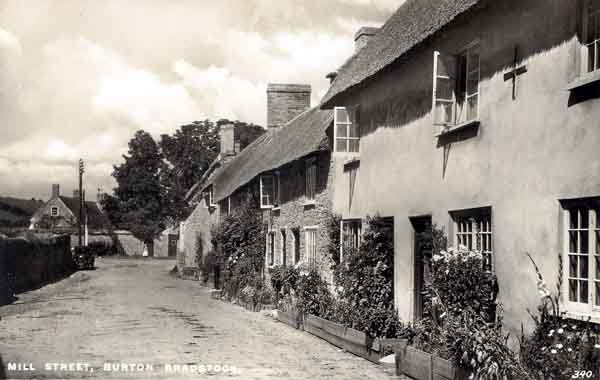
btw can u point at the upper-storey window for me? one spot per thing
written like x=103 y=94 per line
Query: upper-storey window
x=456 y=87
x=347 y=131
x=269 y=190
x=591 y=31
x=54 y=211
x=311 y=180
x=209 y=197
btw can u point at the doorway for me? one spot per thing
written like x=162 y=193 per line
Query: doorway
x=423 y=251
x=283 y=247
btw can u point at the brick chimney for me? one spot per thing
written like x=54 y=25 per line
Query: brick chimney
x=285 y=102
x=55 y=190
x=362 y=37
x=227 y=136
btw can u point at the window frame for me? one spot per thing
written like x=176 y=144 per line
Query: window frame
x=585 y=48
x=52 y=213
x=476 y=226
x=352 y=113
x=455 y=79
x=343 y=235
x=311 y=257
x=575 y=309
x=310 y=187
x=262 y=178
x=209 y=195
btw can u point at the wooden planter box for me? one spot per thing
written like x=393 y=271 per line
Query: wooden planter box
x=293 y=319
x=421 y=365
x=341 y=336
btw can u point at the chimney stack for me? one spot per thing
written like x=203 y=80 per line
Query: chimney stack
x=55 y=190
x=227 y=134
x=362 y=37
x=285 y=102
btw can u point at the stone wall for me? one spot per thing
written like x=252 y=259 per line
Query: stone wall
x=296 y=213
x=196 y=229
x=26 y=263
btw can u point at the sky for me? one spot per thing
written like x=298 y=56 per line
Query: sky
x=78 y=78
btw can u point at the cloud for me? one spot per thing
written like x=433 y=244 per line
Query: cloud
x=82 y=86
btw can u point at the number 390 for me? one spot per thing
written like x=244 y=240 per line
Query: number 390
x=582 y=375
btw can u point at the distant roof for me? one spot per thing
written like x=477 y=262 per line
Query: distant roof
x=95 y=217
x=413 y=22
x=303 y=135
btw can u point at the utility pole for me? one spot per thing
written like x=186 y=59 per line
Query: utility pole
x=81 y=205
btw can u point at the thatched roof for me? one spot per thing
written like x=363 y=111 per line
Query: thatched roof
x=413 y=22
x=301 y=136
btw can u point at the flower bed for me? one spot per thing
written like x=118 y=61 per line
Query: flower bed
x=289 y=318
x=344 y=337
x=421 y=365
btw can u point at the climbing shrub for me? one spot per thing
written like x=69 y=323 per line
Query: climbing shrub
x=365 y=283
x=238 y=244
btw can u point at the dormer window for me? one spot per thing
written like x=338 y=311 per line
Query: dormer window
x=456 y=87
x=346 y=130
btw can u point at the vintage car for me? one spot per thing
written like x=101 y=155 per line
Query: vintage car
x=83 y=257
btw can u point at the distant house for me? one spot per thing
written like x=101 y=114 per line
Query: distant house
x=286 y=175
x=15 y=212
x=62 y=213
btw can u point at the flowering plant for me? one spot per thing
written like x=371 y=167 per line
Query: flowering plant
x=558 y=347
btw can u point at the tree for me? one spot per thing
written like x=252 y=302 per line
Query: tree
x=188 y=153
x=139 y=193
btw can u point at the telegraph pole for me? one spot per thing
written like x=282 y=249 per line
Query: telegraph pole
x=81 y=205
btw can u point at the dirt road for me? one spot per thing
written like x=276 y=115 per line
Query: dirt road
x=130 y=319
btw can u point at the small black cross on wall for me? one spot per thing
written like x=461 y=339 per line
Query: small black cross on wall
x=516 y=71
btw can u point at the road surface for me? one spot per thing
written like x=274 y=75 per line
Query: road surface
x=130 y=319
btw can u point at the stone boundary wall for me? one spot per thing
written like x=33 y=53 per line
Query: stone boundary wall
x=27 y=263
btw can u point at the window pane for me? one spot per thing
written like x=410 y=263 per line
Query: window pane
x=583 y=291
x=597 y=267
x=443 y=112
x=444 y=89
x=584 y=267
x=472 y=83
x=592 y=53
x=584 y=242
x=341 y=115
x=572 y=266
x=598 y=242
x=472 y=107
x=354 y=130
x=342 y=130
x=353 y=146
x=573 y=290
x=473 y=60
x=341 y=145
x=584 y=218
x=573 y=241
x=573 y=219
x=597 y=293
